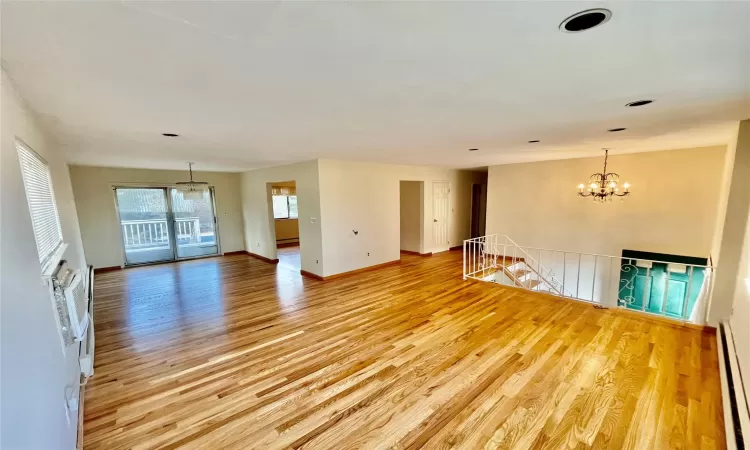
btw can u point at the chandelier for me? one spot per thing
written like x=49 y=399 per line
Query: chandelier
x=192 y=190
x=604 y=186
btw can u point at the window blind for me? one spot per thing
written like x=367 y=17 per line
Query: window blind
x=41 y=198
x=280 y=207
x=292 y=206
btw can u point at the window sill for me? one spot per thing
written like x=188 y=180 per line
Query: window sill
x=49 y=269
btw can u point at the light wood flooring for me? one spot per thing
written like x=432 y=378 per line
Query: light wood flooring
x=235 y=353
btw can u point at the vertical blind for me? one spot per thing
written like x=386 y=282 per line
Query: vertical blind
x=41 y=197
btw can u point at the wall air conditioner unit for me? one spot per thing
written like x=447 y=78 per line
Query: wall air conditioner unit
x=77 y=304
x=86 y=352
x=72 y=293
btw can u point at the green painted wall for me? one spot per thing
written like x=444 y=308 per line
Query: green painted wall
x=640 y=286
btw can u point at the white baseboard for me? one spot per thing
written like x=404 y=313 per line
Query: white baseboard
x=734 y=398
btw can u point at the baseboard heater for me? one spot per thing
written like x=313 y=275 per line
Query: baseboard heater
x=734 y=398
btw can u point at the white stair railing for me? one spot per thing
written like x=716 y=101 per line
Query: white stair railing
x=663 y=288
x=484 y=256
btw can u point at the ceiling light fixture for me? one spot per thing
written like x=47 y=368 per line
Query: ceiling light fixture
x=192 y=190
x=533 y=142
x=585 y=20
x=604 y=186
x=169 y=135
x=638 y=103
x=473 y=149
x=615 y=130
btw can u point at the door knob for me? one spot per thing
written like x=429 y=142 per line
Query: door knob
x=434 y=220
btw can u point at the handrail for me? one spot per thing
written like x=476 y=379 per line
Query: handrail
x=599 y=255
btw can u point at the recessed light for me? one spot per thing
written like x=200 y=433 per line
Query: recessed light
x=614 y=130
x=639 y=103
x=170 y=134
x=585 y=20
x=473 y=149
x=533 y=142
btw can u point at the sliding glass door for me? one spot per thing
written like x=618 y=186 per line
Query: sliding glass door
x=144 y=224
x=164 y=224
x=194 y=223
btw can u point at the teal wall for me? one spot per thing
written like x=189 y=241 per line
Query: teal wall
x=639 y=286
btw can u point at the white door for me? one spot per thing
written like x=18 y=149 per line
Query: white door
x=440 y=215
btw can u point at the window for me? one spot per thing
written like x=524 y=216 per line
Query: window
x=292 y=206
x=284 y=206
x=41 y=198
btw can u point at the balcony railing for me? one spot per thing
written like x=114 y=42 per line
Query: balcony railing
x=676 y=291
x=154 y=233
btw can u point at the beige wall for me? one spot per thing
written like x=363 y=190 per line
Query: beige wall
x=731 y=296
x=735 y=219
x=412 y=215
x=287 y=230
x=97 y=215
x=672 y=208
x=33 y=368
x=260 y=230
x=365 y=197
x=740 y=313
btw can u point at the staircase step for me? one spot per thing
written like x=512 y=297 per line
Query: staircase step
x=520 y=273
x=531 y=284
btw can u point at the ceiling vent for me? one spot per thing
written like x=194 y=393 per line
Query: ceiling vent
x=639 y=103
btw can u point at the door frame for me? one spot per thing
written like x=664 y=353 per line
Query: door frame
x=170 y=220
x=435 y=248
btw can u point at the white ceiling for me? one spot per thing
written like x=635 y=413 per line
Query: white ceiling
x=258 y=84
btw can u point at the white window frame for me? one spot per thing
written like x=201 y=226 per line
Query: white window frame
x=288 y=209
x=48 y=258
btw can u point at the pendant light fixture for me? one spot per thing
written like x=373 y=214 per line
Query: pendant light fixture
x=192 y=190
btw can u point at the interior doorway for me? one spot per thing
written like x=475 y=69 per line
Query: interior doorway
x=478 y=209
x=286 y=223
x=165 y=224
x=411 y=195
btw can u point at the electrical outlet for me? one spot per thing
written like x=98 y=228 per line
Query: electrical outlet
x=316 y=261
x=368 y=253
x=258 y=244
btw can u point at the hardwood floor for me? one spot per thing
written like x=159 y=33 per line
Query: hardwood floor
x=289 y=257
x=232 y=352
